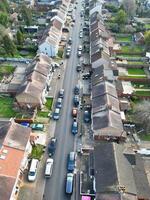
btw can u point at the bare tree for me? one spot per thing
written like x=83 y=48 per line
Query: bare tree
x=130 y=7
x=142 y=114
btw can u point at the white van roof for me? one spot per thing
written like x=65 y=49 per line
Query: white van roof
x=33 y=164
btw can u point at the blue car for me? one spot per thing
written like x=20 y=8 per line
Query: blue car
x=74 y=128
x=69 y=183
x=76 y=100
x=71 y=161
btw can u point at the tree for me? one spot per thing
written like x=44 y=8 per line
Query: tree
x=9 y=45
x=20 y=37
x=142 y=114
x=130 y=7
x=4 y=19
x=4 y=6
x=26 y=15
x=147 y=39
x=121 y=17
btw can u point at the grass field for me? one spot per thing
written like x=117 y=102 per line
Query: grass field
x=141 y=85
x=6 y=107
x=136 y=62
x=37 y=152
x=129 y=49
x=145 y=137
x=6 y=70
x=49 y=102
x=124 y=39
x=143 y=93
x=137 y=71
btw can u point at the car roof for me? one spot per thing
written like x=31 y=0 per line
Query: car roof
x=72 y=155
x=49 y=160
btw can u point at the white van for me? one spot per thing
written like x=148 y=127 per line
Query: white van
x=33 y=170
x=49 y=167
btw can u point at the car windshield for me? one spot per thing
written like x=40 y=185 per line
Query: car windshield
x=32 y=173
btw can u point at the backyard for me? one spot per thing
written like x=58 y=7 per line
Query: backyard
x=120 y=38
x=132 y=49
x=37 y=151
x=6 y=107
x=47 y=108
x=136 y=71
x=145 y=93
x=6 y=70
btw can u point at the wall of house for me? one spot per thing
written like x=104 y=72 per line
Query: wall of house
x=25 y=99
x=48 y=49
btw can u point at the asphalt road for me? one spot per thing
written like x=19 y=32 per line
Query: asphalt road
x=55 y=186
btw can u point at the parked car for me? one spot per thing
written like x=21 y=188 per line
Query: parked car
x=52 y=146
x=77 y=89
x=71 y=161
x=56 y=114
x=76 y=100
x=61 y=93
x=81 y=34
x=74 y=128
x=59 y=103
x=74 y=112
x=78 y=68
x=79 y=53
x=33 y=170
x=26 y=124
x=80 y=48
x=87 y=116
x=70 y=41
x=38 y=127
x=86 y=76
x=69 y=183
x=68 y=53
x=49 y=167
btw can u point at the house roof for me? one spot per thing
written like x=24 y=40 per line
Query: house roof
x=11 y=161
x=103 y=88
x=17 y=136
x=6 y=187
x=4 y=126
x=103 y=71
x=105 y=101
x=142 y=185
x=58 y=23
x=112 y=169
x=107 y=123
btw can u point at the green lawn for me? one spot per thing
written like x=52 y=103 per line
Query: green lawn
x=129 y=49
x=141 y=85
x=145 y=137
x=124 y=39
x=43 y=114
x=6 y=107
x=37 y=151
x=136 y=62
x=129 y=56
x=147 y=26
x=6 y=70
x=143 y=93
x=49 y=102
x=136 y=76
x=132 y=71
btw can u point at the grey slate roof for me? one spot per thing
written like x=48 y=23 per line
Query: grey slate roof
x=142 y=185
x=112 y=169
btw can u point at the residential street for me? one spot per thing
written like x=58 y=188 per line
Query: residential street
x=55 y=186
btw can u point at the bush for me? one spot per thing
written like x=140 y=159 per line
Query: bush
x=60 y=53
x=111 y=8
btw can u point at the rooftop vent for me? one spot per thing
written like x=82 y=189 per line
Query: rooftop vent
x=2 y=157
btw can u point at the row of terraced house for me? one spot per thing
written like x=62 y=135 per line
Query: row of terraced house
x=111 y=169
x=30 y=87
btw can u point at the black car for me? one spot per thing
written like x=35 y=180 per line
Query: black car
x=52 y=146
x=76 y=89
x=78 y=68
